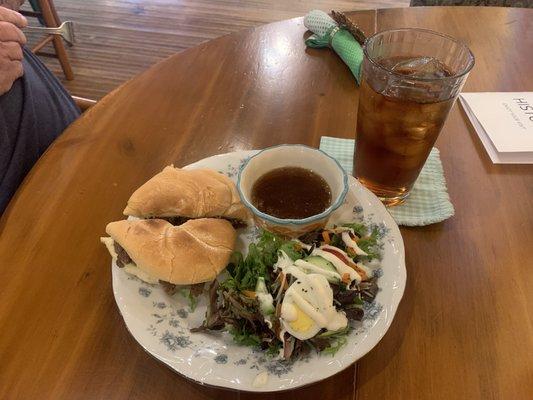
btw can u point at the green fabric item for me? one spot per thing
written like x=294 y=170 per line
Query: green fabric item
x=328 y=34
x=428 y=202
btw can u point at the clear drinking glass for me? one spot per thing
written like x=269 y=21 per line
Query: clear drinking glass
x=410 y=80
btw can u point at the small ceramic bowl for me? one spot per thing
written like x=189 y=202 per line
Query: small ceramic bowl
x=292 y=155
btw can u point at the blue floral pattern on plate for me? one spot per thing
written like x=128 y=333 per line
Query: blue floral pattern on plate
x=161 y=323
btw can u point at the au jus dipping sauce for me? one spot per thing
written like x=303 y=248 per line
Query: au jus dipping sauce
x=291 y=193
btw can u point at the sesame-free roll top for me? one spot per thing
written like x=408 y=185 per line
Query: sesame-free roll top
x=197 y=193
x=194 y=252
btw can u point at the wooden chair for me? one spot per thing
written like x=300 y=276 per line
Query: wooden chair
x=83 y=103
x=46 y=12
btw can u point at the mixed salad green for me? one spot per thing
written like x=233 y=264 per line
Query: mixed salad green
x=290 y=297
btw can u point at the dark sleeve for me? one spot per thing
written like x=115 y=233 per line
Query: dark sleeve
x=32 y=114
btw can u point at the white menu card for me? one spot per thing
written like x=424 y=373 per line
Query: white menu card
x=504 y=124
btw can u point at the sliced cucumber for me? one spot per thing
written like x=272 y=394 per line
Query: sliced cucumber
x=260 y=286
x=266 y=302
x=321 y=263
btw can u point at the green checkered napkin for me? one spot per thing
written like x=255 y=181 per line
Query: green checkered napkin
x=428 y=202
x=327 y=33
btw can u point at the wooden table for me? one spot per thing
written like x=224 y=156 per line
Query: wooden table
x=463 y=329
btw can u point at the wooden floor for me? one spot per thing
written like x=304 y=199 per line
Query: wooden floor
x=117 y=39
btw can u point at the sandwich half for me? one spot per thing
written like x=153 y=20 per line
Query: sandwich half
x=178 y=195
x=158 y=252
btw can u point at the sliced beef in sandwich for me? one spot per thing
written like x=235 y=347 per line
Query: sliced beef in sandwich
x=171 y=289
x=122 y=256
x=178 y=195
x=236 y=223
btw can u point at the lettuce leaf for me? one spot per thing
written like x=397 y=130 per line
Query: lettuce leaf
x=360 y=229
x=193 y=301
x=244 y=271
x=337 y=339
x=245 y=338
x=370 y=245
x=291 y=250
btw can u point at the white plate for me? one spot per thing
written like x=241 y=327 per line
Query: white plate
x=161 y=323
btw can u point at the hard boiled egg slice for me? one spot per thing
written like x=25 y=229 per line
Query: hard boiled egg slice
x=297 y=322
x=308 y=306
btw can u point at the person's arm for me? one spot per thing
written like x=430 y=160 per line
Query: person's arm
x=11 y=4
x=11 y=41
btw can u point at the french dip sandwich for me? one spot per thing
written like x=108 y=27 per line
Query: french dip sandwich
x=157 y=252
x=178 y=195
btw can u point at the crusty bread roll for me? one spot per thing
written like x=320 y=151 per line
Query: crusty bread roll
x=187 y=193
x=194 y=252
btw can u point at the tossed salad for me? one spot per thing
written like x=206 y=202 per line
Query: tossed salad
x=289 y=297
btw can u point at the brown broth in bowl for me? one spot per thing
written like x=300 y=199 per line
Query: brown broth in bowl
x=291 y=193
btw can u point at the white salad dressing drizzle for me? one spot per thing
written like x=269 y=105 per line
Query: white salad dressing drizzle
x=339 y=265
x=266 y=301
x=284 y=261
x=260 y=379
x=312 y=295
x=302 y=244
x=340 y=251
x=312 y=268
x=349 y=242
x=265 y=298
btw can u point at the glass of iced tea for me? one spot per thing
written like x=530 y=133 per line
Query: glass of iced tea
x=410 y=80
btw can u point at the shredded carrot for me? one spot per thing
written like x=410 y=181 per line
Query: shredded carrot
x=346 y=278
x=249 y=293
x=325 y=236
x=357 y=269
x=361 y=272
